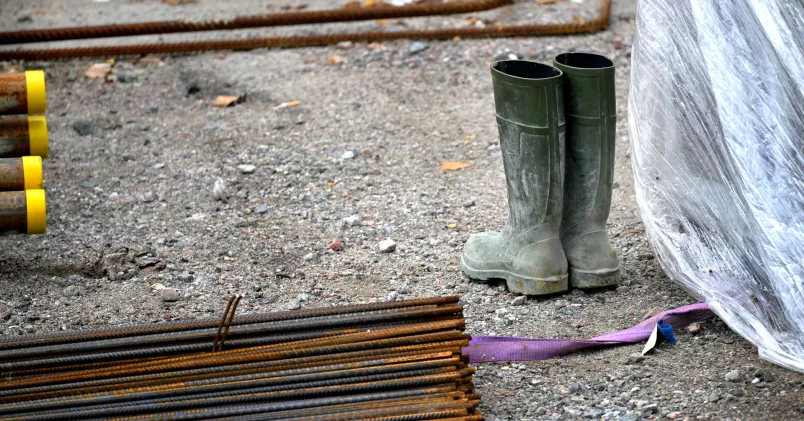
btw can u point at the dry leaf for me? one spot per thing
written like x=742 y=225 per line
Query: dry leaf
x=334 y=60
x=151 y=60
x=451 y=226
x=454 y=166
x=289 y=104
x=224 y=101
x=98 y=70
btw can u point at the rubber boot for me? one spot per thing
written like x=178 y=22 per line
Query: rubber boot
x=591 y=113
x=527 y=253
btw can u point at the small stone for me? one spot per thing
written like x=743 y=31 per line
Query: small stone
x=650 y=409
x=125 y=77
x=343 y=45
x=129 y=274
x=311 y=257
x=169 y=295
x=622 y=289
x=220 y=191
x=71 y=291
x=618 y=43
x=734 y=376
x=91 y=184
x=303 y=297
x=246 y=168
x=185 y=277
x=349 y=155
x=24 y=18
x=575 y=388
x=673 y=415
x=387 y=246
x=336 y=245
x=261 y=209
x=694 y=328
x=469 y=204
x=393 y=295
x=756 y=380
x=294 y=304
x=148 y=196
x=713 y=397
x=635 y=358
x=353 y=221
x=83 y=128
x=518 y=301
x=417 y=47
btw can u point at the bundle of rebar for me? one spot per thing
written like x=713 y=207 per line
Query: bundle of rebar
x=391 y=361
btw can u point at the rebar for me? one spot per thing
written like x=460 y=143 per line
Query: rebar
x=398 y=361
x=599 y=23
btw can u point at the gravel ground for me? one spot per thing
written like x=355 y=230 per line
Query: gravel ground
x=149 y=183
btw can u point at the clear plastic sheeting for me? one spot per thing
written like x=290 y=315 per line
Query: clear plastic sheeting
x=716 y=117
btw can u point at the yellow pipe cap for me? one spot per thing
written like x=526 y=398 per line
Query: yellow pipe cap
x=37 y=136
x=32 y=170
x=37 y=211
x=35 y=85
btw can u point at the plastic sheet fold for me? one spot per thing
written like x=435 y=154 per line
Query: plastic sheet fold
x=716 y=121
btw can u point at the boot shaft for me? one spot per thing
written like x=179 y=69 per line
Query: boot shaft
x=591 y=115
x=528 y=98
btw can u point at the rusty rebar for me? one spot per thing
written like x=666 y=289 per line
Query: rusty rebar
x=105 y=333
x=599 y=23
x=252 y=21
x=402 y=363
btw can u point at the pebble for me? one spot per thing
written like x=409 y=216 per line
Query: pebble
x=312 y=257
x=673 y=415
x=393 y=295
x=83 y=127
x=336 y=245
x=220 y=191
x=353 y=221
x=518 y=301
x=186 y=277
x=125 y=77
x=387 y=246
x=418 y=47
x=694 y=328
x=348 y=155
x=261 y=209
x=169 y=295
x=246 y=168
x=635 y=358
x=713 y=397
x=71 y=291
x=294 y=304
x=734 y=376
x=622 y=289
x=469 y=204
x=148 y=196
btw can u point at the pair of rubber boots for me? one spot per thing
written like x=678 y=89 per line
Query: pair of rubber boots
x=557 y=133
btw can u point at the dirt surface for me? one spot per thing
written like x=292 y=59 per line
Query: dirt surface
x=151 y=185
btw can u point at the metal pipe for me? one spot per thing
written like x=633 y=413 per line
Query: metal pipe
x=22 y=93
x=23 y=136
x=18 y=174
x=22 y=212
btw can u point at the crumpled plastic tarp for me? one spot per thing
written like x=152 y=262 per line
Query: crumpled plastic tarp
x=716 y=119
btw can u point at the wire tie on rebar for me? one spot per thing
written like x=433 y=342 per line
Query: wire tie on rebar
x=229 y=321
x=223 y=321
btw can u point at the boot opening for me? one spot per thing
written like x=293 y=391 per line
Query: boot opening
x=584 y=61
x=526 y=69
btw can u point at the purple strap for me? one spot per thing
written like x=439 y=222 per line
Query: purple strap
x=502 y=348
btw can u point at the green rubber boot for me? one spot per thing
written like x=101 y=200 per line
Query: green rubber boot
x=527 y=253
x=591 y=115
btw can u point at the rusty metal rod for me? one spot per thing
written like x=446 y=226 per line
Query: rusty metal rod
x=22 y=212
x=353 y=359
x=236 y=332
x=252 y=21
x=566 y=28
x=105 y=333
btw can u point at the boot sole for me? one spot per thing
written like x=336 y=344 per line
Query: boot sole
x=521 y=284
x=586 y=279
